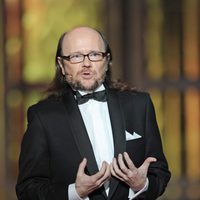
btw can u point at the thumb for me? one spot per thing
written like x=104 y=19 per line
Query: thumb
x=81 y=168
x=148 y=161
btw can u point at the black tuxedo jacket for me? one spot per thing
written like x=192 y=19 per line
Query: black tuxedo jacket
x=56 y=141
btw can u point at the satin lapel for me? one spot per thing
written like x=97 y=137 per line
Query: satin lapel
x=118 y=128
x=79 y=131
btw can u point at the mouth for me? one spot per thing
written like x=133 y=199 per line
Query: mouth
x=87 y=74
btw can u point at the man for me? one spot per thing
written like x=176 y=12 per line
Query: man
x=90 y=140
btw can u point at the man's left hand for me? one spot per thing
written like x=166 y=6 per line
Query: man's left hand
x=128 y=173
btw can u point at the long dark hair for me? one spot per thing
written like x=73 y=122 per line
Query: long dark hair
x=57 y=86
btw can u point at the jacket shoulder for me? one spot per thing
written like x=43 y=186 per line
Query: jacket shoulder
x=138 y=101
x=47 y=105
x=134 y=95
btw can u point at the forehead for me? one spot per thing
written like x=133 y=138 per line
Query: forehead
x=82 y=40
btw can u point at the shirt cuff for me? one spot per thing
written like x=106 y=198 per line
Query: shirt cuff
x=73 y=195
x=133 y=195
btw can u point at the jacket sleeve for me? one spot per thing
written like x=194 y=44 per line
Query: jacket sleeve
x=34 y=181
x=158 y=172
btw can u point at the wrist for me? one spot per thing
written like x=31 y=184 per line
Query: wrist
x=80 y=192
x=139 y=186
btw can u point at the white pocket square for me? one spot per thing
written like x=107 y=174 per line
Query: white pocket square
x=133 y=136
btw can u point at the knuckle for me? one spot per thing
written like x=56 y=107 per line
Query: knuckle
x=123 y=168
x=130 y=175
x=79 y=176
x=93 y=181
x=125 y=178
x=101 y=173
x=117 y=171
x=98 y=183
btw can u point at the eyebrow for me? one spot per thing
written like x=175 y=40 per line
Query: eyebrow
x=79 y=52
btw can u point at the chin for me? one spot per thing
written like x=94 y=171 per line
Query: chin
x=89 y=85
x=84 y=86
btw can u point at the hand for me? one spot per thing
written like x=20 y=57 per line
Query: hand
x=86 y=184
x=128 y=173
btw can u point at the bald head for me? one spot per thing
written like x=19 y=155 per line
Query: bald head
x=82 y=39
x=83 y=29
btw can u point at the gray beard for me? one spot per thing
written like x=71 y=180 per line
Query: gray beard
x=77 y=85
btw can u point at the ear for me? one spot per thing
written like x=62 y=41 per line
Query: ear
x=60 y=63
x=109 y=59
x=108 y=56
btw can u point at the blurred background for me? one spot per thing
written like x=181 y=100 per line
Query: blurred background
x=156 y=47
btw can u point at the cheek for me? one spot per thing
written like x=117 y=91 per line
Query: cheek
x=102 y=70
x=70 y=70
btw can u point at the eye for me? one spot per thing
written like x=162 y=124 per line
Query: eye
x=76 y=56
x=94 y=54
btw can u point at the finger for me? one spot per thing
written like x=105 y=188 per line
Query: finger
x=106 y=175
x=129 y=162
x=100 y=177
x=147 y=162
x=122 y=164
x=108 y=172
x=113 y=172
x=115 y=165
x=101 y=172
x=103 y=167
x=118 y=171
x=81 y=168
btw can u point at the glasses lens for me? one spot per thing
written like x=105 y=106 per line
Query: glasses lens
x=95 y=56
x=76 y=58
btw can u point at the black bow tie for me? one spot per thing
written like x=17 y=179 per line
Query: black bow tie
x=98 y=96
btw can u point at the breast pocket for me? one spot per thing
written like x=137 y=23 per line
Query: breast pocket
x=136 y=150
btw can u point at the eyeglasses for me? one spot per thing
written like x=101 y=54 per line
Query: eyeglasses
x=93 y=56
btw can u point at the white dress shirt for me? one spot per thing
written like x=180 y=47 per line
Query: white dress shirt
x=96 y=118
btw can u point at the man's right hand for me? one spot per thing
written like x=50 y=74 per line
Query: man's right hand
x=86 y=184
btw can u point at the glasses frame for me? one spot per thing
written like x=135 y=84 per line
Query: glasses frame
x=68 y=58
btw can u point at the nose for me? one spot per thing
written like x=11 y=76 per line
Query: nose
x=86 y=62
